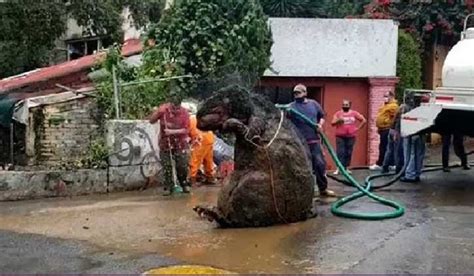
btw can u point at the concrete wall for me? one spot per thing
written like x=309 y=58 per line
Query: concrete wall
x=130 y=141
x=64 y=140
x=306 y=47
x=18 y=185
x=134 y=144
x=74 y=31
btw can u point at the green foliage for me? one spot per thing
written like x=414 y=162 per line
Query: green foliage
x=136 y=100
x=29 y=29
x=340 y=8
x=428 y=20
x=199 y=38
x=289 y=8
x=313 y=8
x=27 y=33
x=101 y=18
x=409 y=67
x=144 y=11
x=95 y=158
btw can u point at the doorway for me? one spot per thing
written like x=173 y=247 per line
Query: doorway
x=316 y=93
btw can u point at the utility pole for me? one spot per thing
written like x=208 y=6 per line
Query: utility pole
x=116 y=85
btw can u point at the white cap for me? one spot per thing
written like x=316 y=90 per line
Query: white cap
x=191 y=107
x=300 y=88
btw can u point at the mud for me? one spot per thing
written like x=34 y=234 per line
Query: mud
x=151 y=224
x=145 y=230
x=435 y=236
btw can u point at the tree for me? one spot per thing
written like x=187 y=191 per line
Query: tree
x=203 y=38
x=427 y=20
x=313 y=8
x=340 y=8
x=136 y=100
x=289 y=8
x=409 y=67
x=27 y=32
x=29 y=29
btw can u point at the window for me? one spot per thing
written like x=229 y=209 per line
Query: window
x=83 y=47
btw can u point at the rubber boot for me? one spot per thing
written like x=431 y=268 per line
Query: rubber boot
x=210 y=181
x=186 y=187
x=177 y=189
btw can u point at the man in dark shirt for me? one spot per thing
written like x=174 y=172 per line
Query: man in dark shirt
x=312 y=110
x=173 y=141
x=458 y=145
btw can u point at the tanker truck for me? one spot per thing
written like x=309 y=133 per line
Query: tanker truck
x=450 y=107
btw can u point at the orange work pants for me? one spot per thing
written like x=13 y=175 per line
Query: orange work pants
x=202 y=155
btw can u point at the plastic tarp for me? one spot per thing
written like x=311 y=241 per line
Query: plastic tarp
x=7 y=106
x=222 y=151
x=21 y=110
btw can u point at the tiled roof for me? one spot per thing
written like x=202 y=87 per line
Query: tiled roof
x=130 y=47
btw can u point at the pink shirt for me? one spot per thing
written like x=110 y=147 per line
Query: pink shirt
x=349 y=127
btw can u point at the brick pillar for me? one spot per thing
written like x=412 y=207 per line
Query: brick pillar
x=378 y=88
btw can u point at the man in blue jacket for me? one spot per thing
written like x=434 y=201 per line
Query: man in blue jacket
x=314 y=111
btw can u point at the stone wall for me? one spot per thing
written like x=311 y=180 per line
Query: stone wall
x=62 y=132
x=18 y=185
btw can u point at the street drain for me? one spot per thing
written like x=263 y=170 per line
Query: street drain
x=186 y=269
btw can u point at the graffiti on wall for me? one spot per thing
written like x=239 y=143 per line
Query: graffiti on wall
x=134 y=143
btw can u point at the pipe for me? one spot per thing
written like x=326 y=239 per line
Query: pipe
x=12 y=144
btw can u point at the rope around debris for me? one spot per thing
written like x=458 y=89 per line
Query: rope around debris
x=267 y=155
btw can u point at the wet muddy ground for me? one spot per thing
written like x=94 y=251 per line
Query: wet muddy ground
x=133 y=232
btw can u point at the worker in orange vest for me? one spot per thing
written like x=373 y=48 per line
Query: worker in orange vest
x=202 y=149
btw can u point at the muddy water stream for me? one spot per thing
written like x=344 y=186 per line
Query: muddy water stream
x=149 y=223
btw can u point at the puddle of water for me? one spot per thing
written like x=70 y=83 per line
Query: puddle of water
x=168 y=227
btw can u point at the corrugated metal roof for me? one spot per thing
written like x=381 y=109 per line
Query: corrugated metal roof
x=130 y=47
x=306 y=47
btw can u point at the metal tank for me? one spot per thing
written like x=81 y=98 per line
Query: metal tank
x=458 y=68
x=450 y=108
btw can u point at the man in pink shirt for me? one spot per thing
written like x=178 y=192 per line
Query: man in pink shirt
x=347 y=123
x=173 y=141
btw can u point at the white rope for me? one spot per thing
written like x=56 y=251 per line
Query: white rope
x=270 y=167
x=280 y=124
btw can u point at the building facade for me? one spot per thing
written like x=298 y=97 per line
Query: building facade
x=353 y=59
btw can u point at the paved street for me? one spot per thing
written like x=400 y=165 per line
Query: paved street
x=102 y=103
x=133 y=232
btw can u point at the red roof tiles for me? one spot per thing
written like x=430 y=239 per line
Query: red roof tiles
x=130 y=47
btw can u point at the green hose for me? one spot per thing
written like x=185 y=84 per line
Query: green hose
x=336 y=207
